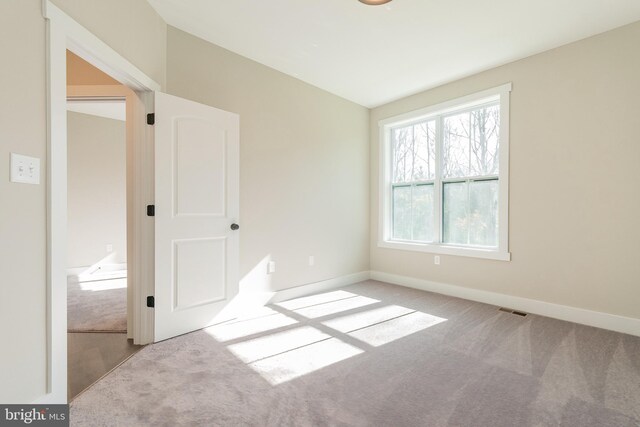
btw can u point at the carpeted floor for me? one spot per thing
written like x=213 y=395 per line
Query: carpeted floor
x=99 y=306
x=91 y=355
x=374 y=354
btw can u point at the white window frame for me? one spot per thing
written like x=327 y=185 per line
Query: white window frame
x=385 y=240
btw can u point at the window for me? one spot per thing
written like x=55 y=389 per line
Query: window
x=444 y=177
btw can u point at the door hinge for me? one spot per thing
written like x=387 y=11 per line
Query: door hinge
x=151 y=118
x=151 y=301
x=151 y=210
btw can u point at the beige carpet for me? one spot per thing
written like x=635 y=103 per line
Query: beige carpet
x=374 y=354
x=99 y=306
x=91 y=355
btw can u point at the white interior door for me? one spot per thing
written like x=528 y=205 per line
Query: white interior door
x=196 y=214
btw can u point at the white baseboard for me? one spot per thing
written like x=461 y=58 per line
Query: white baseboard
x=74 y=271
x=325 y=285
x=627 y=325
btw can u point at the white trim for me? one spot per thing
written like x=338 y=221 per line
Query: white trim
x=74 y=271
x=626 y=325
x=313 y=288
x=83 y=43
x=446 y=250
x=501 y=253
x=109 y=101
x=503 y=182
x=114 y=109
x=64 y=33
x=460 y=103
x=56 y=387
x=141 y=246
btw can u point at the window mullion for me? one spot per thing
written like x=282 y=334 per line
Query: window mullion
x=411 y=209
x=437 y=184
x=389 y=152
x=468 y=209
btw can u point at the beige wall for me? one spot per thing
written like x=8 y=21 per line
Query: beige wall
x=575 y=194
x=303 y=164
x=131 y=27
x=96 y=198
x=22 y=206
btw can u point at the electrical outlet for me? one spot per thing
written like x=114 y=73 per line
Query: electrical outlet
x=109 y=248
x=25 y=169
x=312 y=260
x=436 y=259
x=271 y=267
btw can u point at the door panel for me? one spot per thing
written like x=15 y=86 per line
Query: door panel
x=197 y=200
x=200 y=158
x=198 y=281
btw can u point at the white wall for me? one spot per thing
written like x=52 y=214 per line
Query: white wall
x=574 y=193
x=96 y=198
x=304 y=168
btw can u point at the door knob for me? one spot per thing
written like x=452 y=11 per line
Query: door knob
x=235 y=226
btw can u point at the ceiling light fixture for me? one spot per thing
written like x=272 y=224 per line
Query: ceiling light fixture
x=374 y=2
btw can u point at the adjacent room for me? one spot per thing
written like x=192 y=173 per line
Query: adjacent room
x=320 y=213
x=97 y=240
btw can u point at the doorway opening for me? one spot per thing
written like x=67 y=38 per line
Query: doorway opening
x=65 y=34
x=99 y=303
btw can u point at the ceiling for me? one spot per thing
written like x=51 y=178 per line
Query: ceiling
x=375 y=54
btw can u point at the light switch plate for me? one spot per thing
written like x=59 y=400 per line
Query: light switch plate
x=25 y=169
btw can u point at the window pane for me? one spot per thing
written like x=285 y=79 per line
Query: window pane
x=454 y=213
x=414 y=149
x=484 y=141
x=470 y=213
x=470 y=143
x=402 y=213
x=455 y=146
x=423 y=213
x=413 y=213
x=483 y=213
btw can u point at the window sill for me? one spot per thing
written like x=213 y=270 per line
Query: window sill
x=446 y=250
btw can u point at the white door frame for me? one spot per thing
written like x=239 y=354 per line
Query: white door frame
x=64 y=33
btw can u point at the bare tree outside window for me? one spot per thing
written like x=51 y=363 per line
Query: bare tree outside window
x=470 y=146
x=468 y=142
x=414 y=152
x=414 y=164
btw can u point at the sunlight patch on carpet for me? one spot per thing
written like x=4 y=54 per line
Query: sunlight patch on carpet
x=326 y=309
x=367 y=318
x=394 y=329
x=230 y=331
x=304 y=360
x=281 y=342
x=302 y=302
